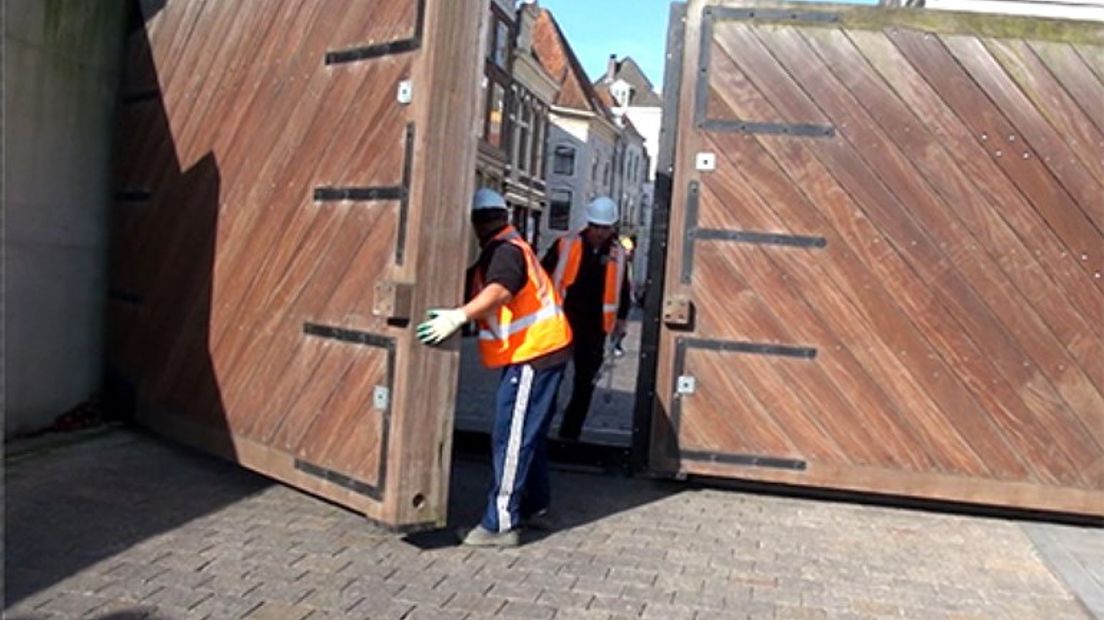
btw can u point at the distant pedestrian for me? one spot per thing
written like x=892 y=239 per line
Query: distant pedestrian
x=523 y=331
x=588 y=270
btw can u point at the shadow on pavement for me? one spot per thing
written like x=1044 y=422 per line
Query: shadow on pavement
x=92 y=502
x=578 y=498
x=81 y=505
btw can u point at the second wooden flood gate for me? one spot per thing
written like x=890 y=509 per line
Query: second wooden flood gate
x=885 y=253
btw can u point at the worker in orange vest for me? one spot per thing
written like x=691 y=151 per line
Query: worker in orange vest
x=589 y=270
x=523 y=331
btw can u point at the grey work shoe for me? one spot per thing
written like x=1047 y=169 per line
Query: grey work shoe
x=479 y=536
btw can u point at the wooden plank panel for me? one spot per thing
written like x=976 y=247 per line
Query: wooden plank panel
x=251 y=289
x=1033 y=232
x=727 y=265
x=720 y=288
x=349 y=418
x=1033 y=129
x=816 y=294
x=759 y=423
x=383 y=23
x=1068 y=391
x=316 y=296
x=961 y=94
x=301 y=235
x=151 y=243
x=713 y=421
x=878 y=315
x=1051 y=100
x=926 y=268
x=986 y=206
x=1025 y=329
x=310 y=284
x=1076 y=76
x=1093 y=57
x=301 y=161
x=858 y=311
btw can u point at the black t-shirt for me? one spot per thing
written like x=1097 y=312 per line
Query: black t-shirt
x=584 y=299
x=503 y=263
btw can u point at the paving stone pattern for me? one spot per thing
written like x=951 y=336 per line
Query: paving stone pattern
x=127 y=526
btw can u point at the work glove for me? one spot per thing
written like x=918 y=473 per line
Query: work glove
x=441 y=324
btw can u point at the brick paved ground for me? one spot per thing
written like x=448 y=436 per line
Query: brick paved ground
x=125 y=526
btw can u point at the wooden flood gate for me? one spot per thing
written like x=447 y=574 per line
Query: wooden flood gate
x=291 y=185
x=884 y=254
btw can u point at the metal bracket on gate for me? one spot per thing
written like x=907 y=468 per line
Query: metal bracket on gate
x=401 y=193
x=693 y=234
x=686 y=385
x=702 y=121
x=377 y=50
x=381 y=400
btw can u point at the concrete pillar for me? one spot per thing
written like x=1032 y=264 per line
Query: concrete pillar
x=62 y=60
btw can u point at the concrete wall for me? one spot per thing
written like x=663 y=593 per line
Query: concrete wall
x=61 y=66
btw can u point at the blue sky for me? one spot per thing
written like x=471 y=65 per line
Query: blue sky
x=598 y=28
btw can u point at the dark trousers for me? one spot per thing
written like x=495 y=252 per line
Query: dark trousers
x=523 y=411
x=587 y=355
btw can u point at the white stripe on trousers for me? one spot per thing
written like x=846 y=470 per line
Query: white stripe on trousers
x=513 y=448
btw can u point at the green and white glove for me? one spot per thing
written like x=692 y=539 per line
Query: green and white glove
x=441 y=324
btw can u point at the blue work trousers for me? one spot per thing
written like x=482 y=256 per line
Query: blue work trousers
x=523 y=411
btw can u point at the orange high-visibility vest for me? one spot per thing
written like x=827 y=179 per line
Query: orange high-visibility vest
x=569 y=250
x=531 y=324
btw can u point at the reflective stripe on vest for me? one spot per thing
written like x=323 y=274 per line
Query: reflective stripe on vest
x=570 y=256
x=531 y=324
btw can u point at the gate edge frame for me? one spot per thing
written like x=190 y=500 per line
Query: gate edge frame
x=645 y=406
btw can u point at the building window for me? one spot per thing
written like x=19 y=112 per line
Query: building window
x=522 y=158
x=498 y=51
x=563 y=161
x=559 y=210
x=495 y=110
x=501 y=47
x=496 y=75
x=606 y=174
x=538 y=145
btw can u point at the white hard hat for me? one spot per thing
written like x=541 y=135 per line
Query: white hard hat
x=487 y=199
x=602 y=211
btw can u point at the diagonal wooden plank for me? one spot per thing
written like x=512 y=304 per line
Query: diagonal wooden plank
x=997 y=283
x=1041 y=242
x=724 y=415
x=745 y=316
x=1033 y=128
x=818 y=294
x=1093 y=58
x=820 y=190
x=360 y=230
x=1051 y=384
x=1052 y=100
x=958 y=90
x=924 y=259
x=1079 y=80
